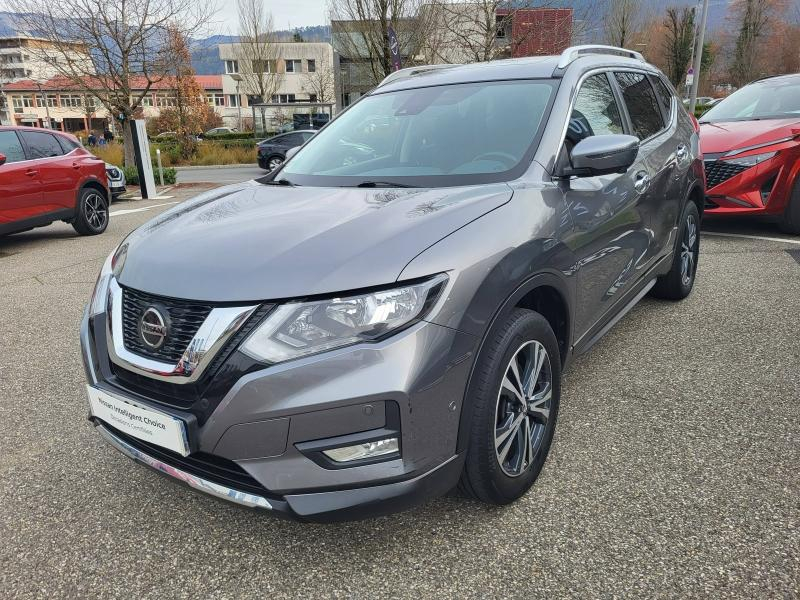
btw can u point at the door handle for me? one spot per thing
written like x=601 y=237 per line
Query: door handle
x=31 y=172
x=76 y=166
x=641 y=182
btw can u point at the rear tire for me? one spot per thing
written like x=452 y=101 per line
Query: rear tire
x=91 y=213
x=514 y=410
x=791 y=218
x=679 y=281
x=274 y=162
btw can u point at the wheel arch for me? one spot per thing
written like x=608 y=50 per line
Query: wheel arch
x=545 y=293
x=93 y=184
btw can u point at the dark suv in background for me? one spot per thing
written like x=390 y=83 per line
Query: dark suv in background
x=383 y=319
x=272 y=151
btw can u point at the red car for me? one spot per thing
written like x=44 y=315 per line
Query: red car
x=751 y=148
x=48 y=176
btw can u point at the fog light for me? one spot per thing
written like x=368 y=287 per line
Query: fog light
x=365 y=450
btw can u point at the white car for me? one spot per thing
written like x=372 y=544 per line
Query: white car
x=116 y=181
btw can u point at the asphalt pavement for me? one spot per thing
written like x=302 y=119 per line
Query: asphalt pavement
x=674 y=470
x=220 y=175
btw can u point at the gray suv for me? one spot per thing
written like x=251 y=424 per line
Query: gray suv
x=387 y=316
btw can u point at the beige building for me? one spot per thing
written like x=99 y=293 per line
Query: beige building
x=300 y=75
x=55 y=104
x=28 y=58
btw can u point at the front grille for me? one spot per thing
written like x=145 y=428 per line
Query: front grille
x=719 y=171
x=207 y=466
x=185 y=318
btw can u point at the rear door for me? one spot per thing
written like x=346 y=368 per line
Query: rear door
x=20 y=192
x=58 y=173
x=656 y=160
x=611 y=237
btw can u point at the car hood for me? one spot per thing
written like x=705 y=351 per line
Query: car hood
x=258 y=242
x=724 y=136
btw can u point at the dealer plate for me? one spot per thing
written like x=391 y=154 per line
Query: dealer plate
x=145 y=424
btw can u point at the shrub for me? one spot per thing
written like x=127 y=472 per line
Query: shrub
x=242 y=135
x=132 y=175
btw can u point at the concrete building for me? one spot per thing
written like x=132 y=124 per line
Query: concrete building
x=56 y=104
x=31 y=58
x=298 y=76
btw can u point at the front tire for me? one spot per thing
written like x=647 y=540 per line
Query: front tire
x=515 y=392
x=91 y=213
x=791 y=218
x=679 y=281
x=273 y=163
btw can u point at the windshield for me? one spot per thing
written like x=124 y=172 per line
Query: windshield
x=768 y=99
x=435 y=136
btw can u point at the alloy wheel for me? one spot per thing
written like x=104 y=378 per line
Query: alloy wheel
x=689 y=251
x=95 y=210
x=274 y=163
x=523 y=408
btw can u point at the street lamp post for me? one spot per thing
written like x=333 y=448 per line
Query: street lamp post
x=238 y=79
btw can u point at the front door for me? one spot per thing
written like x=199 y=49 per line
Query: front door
x=611 y=239
x=20 y=192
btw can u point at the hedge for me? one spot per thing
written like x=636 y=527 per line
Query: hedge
x=132 y=175
x=242 y=135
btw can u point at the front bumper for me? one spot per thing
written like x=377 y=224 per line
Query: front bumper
x=263 y=424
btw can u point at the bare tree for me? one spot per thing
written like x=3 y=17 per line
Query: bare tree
x=125 y=42
x=753 y=17
x=623 y=22
x=679 y=35
x=361 y=31
x=321 y=82
x=257 y=50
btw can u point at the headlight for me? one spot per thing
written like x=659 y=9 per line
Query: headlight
x=750 y=161
x=113 y=173
x=111 y=268
x=301 y=328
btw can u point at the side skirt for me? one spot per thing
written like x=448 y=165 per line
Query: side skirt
x=42 y=220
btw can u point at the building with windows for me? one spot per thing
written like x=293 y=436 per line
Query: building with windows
x=295 y=74
x=34 y=59
x=55 y=103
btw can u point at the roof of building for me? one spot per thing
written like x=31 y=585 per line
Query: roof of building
x=60 y=83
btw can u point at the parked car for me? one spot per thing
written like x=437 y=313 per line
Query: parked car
x=350 y=338
x=116 y=181
x=272 y=151
x=48 y=176
x=220 y=131
x=751 y=149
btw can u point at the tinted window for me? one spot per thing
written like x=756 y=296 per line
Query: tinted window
x=429 y=136
x=642 y=105
x=664 y=96
x=67 y=144
x=11 y=146
x=293 y=139
x=595 y=112
x=42 y=145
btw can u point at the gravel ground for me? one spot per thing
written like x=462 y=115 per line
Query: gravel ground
x=674 y=471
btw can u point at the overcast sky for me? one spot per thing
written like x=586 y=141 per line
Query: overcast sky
x=287 y=14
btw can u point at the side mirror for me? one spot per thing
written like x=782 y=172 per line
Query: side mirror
x=2 y=159
x=602 y=155
x=291 y=152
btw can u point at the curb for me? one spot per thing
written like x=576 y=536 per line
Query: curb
x=200 y=167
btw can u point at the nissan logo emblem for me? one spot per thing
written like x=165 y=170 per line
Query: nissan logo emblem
x=153 y=328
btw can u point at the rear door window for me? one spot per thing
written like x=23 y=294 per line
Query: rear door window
x=11 y=146
x=42 y=145
x=643 y=107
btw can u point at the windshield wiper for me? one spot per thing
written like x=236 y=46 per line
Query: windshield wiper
x=374 y=184
x=281 y=181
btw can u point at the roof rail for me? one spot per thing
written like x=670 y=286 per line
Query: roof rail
x=574 y=52
x=411 y=72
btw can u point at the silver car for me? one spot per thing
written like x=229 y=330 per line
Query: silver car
x=388 y=314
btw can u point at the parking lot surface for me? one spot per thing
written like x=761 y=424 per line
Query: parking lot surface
x=674 y=471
